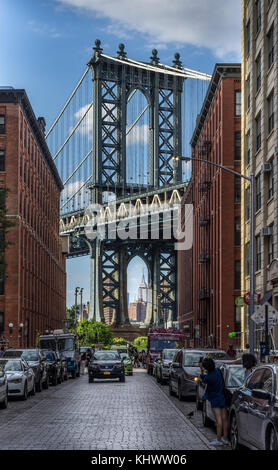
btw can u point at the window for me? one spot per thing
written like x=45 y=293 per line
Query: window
x=238 y=103
x=270 y=107
x=258 y=193
x=237 y=190
x=247 y=149
x=258 y=253
x=270 y=41
x=258 y=14
x=2 y=124
x=237 y=231
x=248 y=93
x=258 y=132
x=237 y=318
x=271 y=246
x=255 y=380
x=247 y=258
x=1 y=322
x=237 y=145
x=259 y=71
x=247 y=38
x=238 y=275
x=271 y=181
x=2 y=160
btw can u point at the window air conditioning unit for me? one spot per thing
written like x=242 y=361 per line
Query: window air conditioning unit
x=276 y=150
x=266 y=231
x=266 y=167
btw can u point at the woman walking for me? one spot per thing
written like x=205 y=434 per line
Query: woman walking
x=215 y=395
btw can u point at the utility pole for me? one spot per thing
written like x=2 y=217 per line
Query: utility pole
x=75 y=307
x=81 y=303
x=266 y=334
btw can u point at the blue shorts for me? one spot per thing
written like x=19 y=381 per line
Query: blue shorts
x=218 y=402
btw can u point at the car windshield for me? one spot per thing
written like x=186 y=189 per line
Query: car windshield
x=191 y=359
x=235 y=377
x=66 y=344
x=49 y=356
x=169 y=354
x=106 y=356
x=13 y=353
x=160 y=344
x=48 y=344
x=11 y=366
x=30 y=356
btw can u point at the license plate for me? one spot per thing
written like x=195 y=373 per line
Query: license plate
x=106 y=373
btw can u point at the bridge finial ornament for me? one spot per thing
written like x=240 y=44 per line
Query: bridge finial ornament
x=177 y=63
x=121 y=52
x=98 y=50
x=154 y=59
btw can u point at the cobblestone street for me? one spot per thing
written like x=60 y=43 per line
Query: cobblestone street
x=135 y=415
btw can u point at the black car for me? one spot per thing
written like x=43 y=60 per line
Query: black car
x=254 y=410
x=184 y=371
x=36 y=361
x=55 y=366
x=106 y=365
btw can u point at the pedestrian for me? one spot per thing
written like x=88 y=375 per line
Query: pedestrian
x=83 y=362
x=88 y=356
x=215 y=395
x=143 y=358
x=136 y=359
x=2 y=350
x=231 y=352
x=249 y=362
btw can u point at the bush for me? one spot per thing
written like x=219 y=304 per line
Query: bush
x=141 y=343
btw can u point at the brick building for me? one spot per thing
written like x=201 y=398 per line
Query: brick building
x=32 y=298
x=216 y=267
x=137 y=311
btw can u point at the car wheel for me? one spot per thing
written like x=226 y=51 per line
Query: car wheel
x=199 y=404
x=25 y=393
x=46 y=383
x=91 y=379
x=273 y=445
x=234 y=433
x=122 y=379
x=205 y=419
x=39 y=386
x=171 y=390
x=4 y=403
x=180 y=395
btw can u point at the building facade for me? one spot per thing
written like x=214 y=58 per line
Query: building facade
x=217 y=211
x=260 y=149
x=32 y=297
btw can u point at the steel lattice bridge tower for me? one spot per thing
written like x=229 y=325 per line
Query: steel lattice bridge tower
x=100 y=148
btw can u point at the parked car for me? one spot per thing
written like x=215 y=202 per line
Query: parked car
x=254 y=410
x=55 y=367
x=21 y=378
x=162 y=365
x=200 y=391
x=233 y=376
x=127 y=363
x=184 y=371
x=106 y=365
x=3 y=388
x=35 y=360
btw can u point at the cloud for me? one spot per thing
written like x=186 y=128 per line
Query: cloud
x=138 y=135
x=213 y=24
x=44 y=29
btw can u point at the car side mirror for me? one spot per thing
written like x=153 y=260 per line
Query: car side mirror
x=261 y=394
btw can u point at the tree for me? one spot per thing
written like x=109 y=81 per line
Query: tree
x=119 y=341
x=141 y=343
x=5 y=223
x=70 y=315
x=90 y=332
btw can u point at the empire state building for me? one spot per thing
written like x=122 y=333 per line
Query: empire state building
x=143 y=290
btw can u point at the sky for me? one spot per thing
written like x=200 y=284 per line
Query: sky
x=46 y=44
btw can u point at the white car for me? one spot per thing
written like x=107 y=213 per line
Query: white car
x=21 y=378
x=3 y=389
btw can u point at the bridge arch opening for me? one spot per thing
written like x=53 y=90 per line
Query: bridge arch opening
x=137 y=140
x=138 y=280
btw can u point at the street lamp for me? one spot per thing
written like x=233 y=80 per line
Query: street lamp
x=11 y=325
x=81 y=304
x=75 y=308
x=251 y=180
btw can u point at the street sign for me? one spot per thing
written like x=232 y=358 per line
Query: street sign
x=259 y=315
x=246 y=298
x=240 y=302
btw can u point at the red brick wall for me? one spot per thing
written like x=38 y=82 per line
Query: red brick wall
x=35 y=286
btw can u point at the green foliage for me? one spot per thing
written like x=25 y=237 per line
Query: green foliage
x=119 y=341
x=90 y=332
x=5 y=223
x=70 y=315
x=141 y=343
